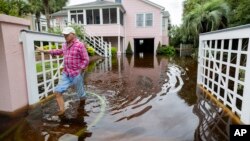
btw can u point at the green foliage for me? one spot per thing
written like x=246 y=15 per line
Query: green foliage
x=168 y=51
x=55 y=30
x=113 y=51
x=80 y=31
x=240 y=12
x=204 y=16
x=39 y=66
x=18 y=8
x=91 y=50
x=91 y=66
x=52 y=47
x=129 y=49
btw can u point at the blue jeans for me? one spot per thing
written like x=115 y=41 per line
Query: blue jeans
x=67 y=81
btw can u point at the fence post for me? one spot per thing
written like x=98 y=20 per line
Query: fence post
x=13 y=86
x=245 y=117
x=29 y=57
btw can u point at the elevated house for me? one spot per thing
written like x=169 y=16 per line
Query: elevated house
x=141 y=23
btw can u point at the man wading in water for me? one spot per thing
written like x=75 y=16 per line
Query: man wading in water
x=75 y=60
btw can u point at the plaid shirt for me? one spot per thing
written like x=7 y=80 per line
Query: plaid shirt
x=75 y=57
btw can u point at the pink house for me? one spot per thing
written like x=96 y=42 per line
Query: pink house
x=141 y=23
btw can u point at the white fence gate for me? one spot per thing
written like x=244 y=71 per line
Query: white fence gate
x=224 y=68
x=42 y=70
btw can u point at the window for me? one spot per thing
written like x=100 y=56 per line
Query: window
x=109 y=16
x=105 y=15
x=76 y=16
x=149 y=19
x=144 y=20
x=93 y=16
x=139 y=20
x=113 y=15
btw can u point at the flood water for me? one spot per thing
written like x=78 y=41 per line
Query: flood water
x=130 y=98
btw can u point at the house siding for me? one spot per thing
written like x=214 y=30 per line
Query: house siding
x=129 y=30
x=105 y=30
x=132 y=31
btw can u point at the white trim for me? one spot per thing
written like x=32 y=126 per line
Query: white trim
x=153 y=4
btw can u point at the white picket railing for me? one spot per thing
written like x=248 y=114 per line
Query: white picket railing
x=223 y=69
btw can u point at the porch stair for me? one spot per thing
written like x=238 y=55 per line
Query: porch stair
x=101 y=47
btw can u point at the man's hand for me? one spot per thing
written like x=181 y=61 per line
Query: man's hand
x=40 y=49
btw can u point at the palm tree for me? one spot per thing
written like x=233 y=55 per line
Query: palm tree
x=209 y=16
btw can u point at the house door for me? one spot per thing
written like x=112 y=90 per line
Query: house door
x=144 y=45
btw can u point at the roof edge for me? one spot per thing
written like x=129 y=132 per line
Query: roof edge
x=154 y=4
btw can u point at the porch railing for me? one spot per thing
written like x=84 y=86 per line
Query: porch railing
x=101 y=47
x=223 y=68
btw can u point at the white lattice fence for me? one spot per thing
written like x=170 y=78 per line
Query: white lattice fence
x=224 y=68
x=42 y=70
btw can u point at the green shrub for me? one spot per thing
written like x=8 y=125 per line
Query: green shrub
x=55 y=30
x=91 y=50
x=129 y=49
x=52 y=47
x=168 y=51
x=80 y=31
x=113 y=51
x=39 y=66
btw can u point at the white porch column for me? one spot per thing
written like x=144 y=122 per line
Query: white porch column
x=69 y=20
x=84 y=17
x=101 y=18
x=119 y=46
x=118 y=15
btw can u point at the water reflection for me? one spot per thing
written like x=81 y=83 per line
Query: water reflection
x=137 y=98
x=142 y=94
x=214 y=121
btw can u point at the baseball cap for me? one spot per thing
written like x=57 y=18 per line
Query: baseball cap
x=68 y=30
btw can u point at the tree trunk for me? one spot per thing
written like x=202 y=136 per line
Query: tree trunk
x=46 y=11
x=38 y=21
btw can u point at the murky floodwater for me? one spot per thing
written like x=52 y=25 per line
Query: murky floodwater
x=130 y=98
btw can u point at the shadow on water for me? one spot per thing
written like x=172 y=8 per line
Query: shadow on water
x=140 y=97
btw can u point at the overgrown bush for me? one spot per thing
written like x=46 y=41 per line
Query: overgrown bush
x=113 y=51
x=168 y=51
x=129 y=49
x=80 y=31
x=52 y=47
x=91 y=50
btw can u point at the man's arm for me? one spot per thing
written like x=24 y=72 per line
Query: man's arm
x=52 y=52
x=40 y=49
x=84 y=56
